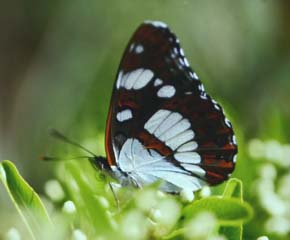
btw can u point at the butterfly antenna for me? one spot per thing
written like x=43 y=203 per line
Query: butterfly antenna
x=50 y=158
x=56 y=134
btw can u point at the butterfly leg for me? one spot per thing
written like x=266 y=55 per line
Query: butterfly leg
x=115 y=196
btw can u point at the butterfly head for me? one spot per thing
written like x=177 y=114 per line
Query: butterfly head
x=100 y=163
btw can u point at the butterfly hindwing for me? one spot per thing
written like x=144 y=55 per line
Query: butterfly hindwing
x=159 y=104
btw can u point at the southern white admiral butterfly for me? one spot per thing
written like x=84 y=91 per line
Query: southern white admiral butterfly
x=162 y=125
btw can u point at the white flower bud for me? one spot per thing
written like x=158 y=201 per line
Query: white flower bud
x=256 y=148
x=78 y=235
x=201 y=227
x=54 y=190
x=263 y=238
x=187 y=195
x=12 y=234
x=69 y=207
x=205 y=191
x=134 y=225
x=146 y=200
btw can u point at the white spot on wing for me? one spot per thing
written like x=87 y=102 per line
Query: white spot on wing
x=156 y=120
x=181 y=61
x=181 y=52
x=201 y=87
x=216 y=107
x=187 y=157
x=195 y=75
x=143 y=79
x=139 y=49
x=136 y=79
x=235 y=158
x=119 y=79
x=132 y=78
x=172 y=129
x=234 y=139
x=131 y=47
x=190 y=146
x=170 y=121
x=227 y=121
x=194 y=169
x=186 y=62
x=203 y=96
x=124 y=115
x=175 y=50
x=172 y=55
x=124 y=78
x=215 y=104
x=156 y=23
x=166 y=91
x=181 y=138
x=178 y=128
x=157 y=82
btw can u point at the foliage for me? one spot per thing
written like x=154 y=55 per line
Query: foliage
x=58 y=63
x=25 y=200
x=143 y=214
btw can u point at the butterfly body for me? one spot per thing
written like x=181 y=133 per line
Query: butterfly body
x=161 y=124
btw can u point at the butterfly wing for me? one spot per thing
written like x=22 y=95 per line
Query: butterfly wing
x=160 y=111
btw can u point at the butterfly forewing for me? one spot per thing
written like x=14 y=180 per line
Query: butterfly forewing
x=161 y=122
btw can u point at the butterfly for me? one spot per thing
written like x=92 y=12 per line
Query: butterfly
x=162 y=125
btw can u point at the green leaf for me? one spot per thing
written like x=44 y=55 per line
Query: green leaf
x=174 y=234
x=24 y=198
x=228 y=211
x=232 y=233
x=234 y=188
x=85 y=191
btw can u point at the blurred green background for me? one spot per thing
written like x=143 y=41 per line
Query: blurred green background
x=58 y=61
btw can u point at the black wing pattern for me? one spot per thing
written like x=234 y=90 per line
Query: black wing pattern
x=160 y=101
